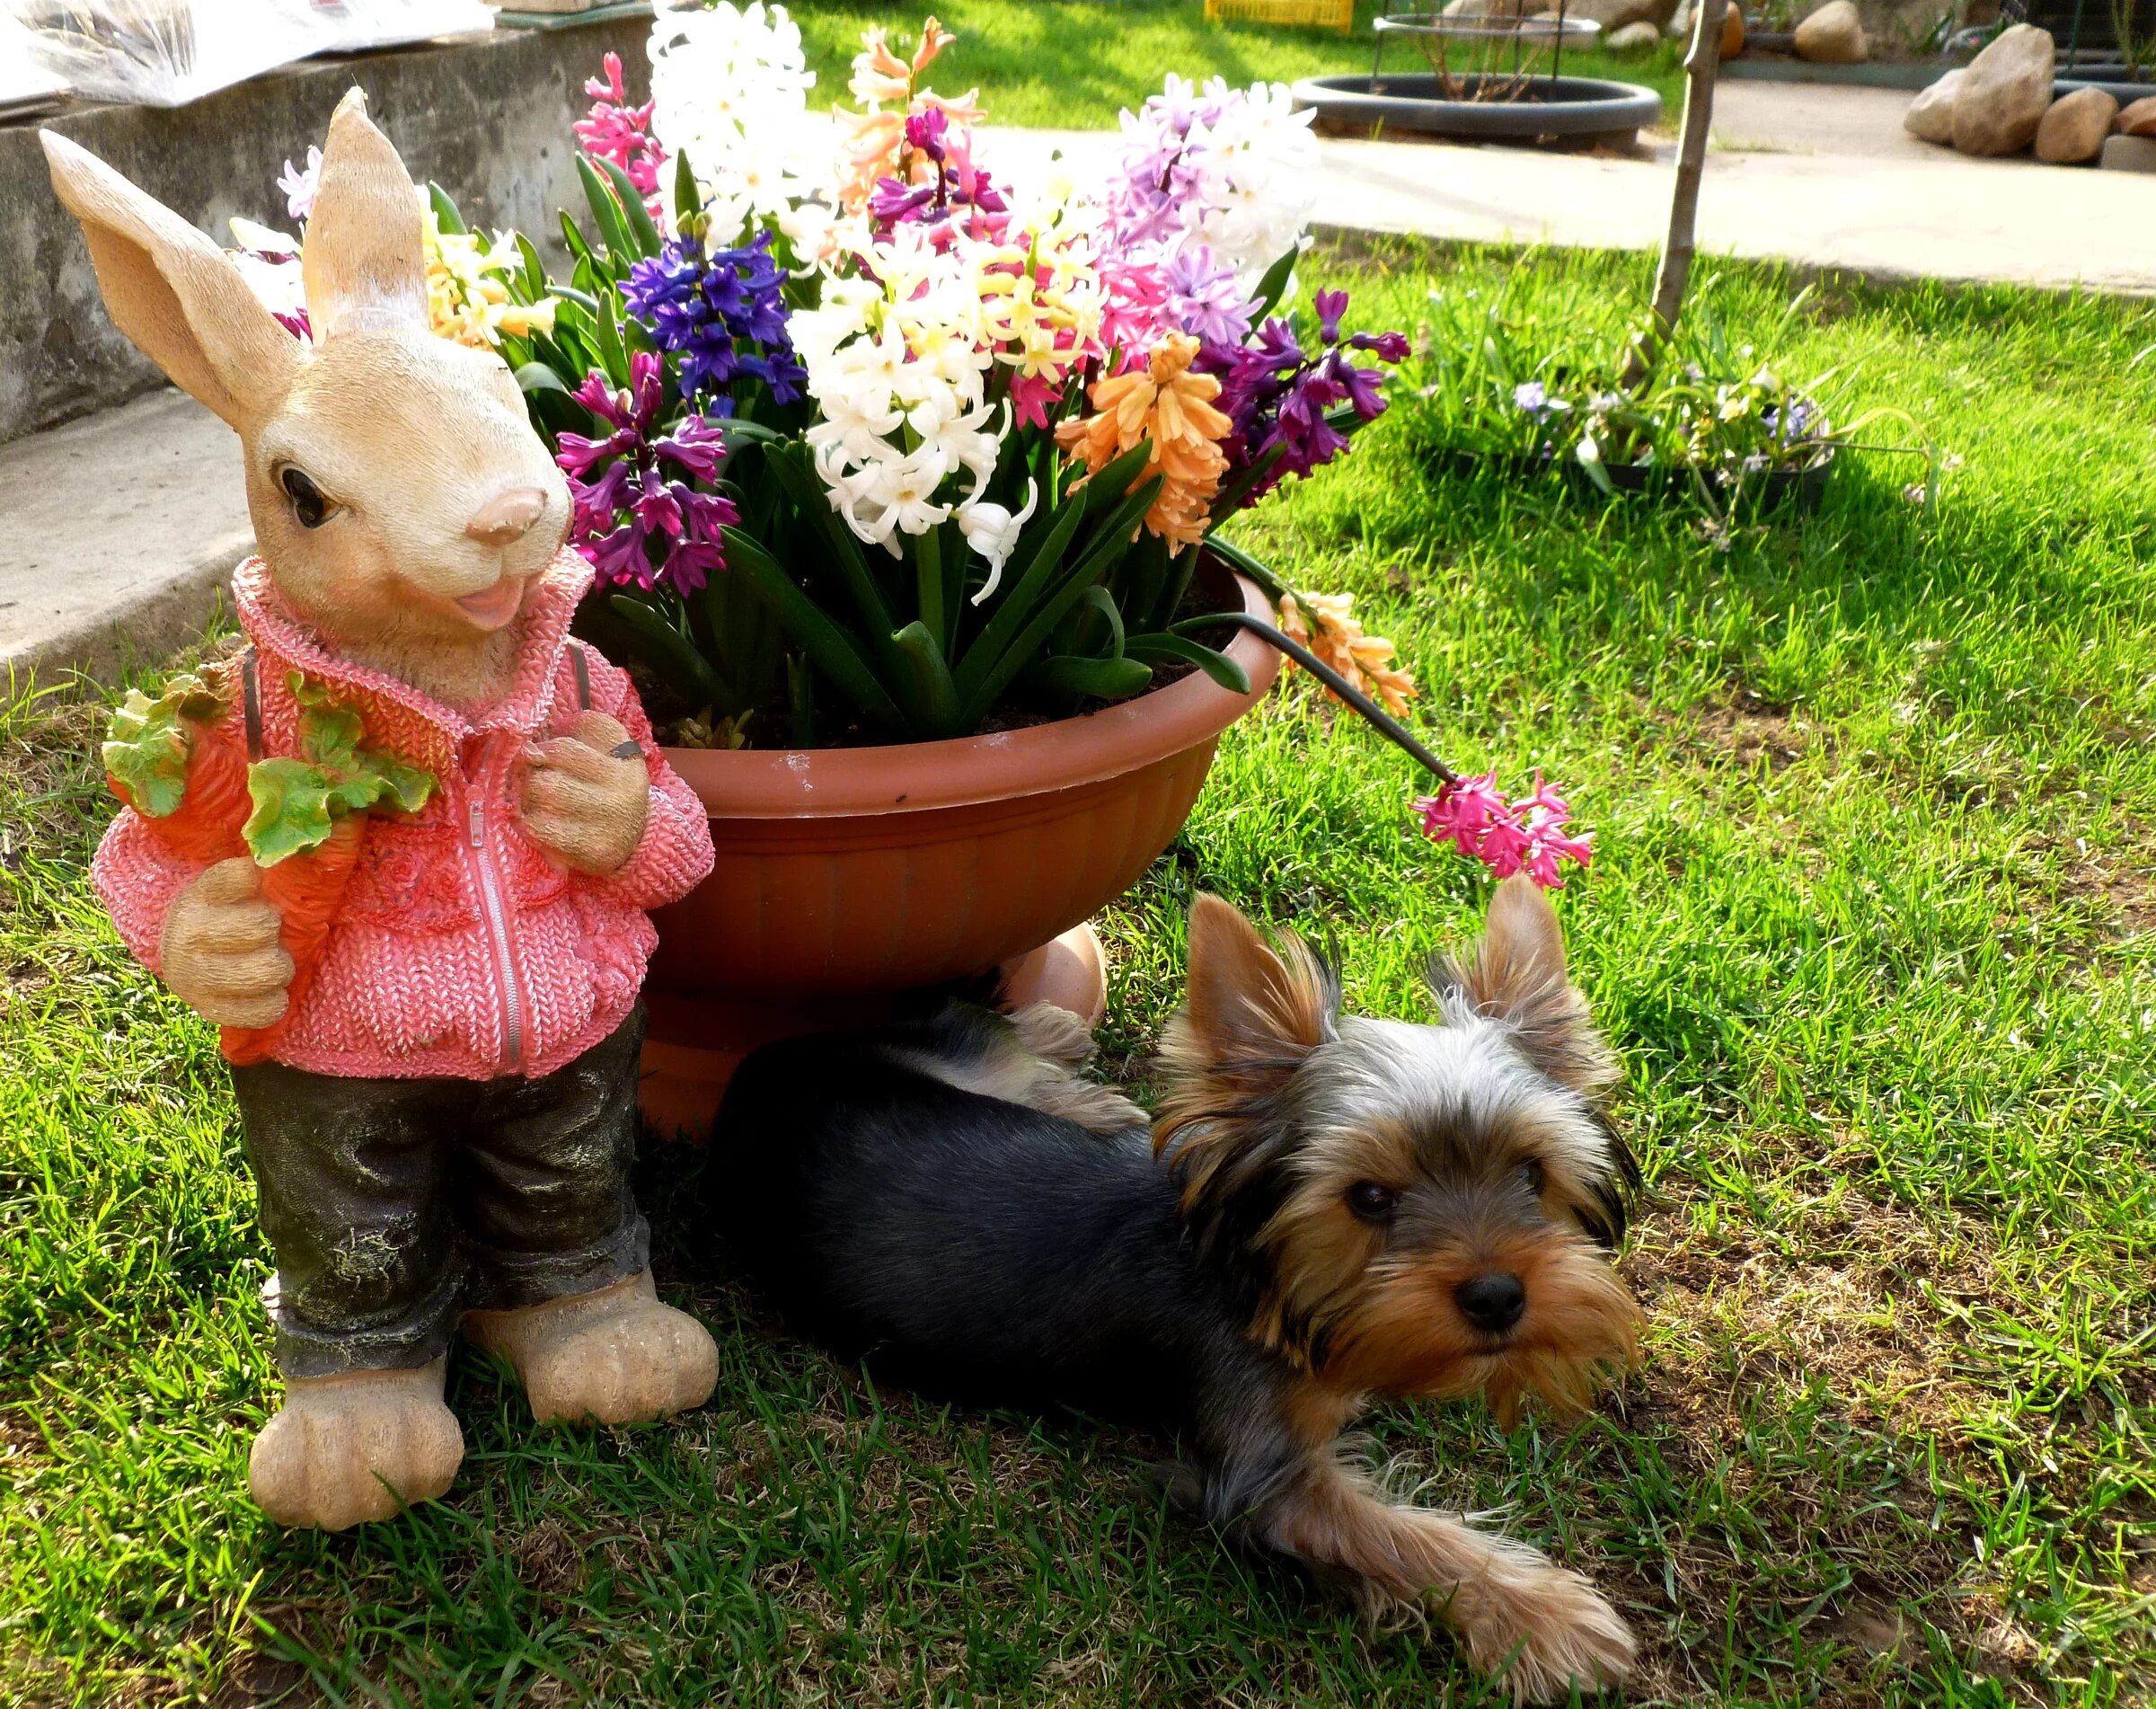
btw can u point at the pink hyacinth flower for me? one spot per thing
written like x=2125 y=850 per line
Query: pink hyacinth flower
x=1506 y=836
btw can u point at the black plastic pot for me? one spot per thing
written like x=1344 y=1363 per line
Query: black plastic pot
x=2111 y=79
x=1802 y=488
x=1772 y=491
x=1576 y=110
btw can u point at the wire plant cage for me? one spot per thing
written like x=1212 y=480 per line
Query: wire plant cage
x=1486 y=53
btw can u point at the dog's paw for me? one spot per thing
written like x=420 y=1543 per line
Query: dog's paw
x=1054 y=1034
x=1546 y=1629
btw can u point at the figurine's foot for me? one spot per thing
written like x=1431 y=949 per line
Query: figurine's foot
x=360 y=1446
x=616 y=1357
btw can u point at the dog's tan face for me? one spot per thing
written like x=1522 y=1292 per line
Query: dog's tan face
x=1407 y=1210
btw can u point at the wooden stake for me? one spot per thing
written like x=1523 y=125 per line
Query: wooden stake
x=1703 y=64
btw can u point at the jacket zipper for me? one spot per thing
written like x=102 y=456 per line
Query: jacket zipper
x=498 y=925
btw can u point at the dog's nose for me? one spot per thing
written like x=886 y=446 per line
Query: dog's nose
x=1493 y=1301
x=505 y=518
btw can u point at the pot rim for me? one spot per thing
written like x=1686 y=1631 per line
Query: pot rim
x=912 y=777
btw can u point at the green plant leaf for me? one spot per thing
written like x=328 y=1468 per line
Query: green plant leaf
x=536 y=376
x=1111 y=537
x=1098 y=598
x=1072 y=677
x=1167 y=649
x=1022 y=592
x=793 y=466
x=826 y=645
x=1113 y=481
x=605 y=211
x=636 y=218
x=933 y=692
x=1273 y=286
x=671 y=656
x=533 y=270
x=614 y=356
x=444 y=210
x=573 y=240
x=1242 y=563
x=688 y=203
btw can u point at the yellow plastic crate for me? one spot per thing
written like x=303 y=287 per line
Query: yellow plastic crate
x=1335 y=15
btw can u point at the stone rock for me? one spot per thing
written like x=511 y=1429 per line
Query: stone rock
x=2138 y=118
x=1832 y=36
x=2130 y=155
x=1612 y=15
x=2073 y=127
x=1931 y=116
x=2005 y=92
x=1679 y=26
x=1633 y=37
x=1733 y=33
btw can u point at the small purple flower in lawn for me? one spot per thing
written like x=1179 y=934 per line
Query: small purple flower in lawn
x=1507 y=836
x=1532 y=398
x=637 y=521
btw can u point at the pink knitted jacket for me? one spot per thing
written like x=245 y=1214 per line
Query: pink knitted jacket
x=461 y=950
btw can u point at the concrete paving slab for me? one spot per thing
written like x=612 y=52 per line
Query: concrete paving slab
x=118 y=534
x=1907 y=213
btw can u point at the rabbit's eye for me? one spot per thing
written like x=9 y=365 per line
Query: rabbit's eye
x=308 y=503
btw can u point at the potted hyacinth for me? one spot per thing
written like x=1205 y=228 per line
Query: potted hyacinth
x=899 y=482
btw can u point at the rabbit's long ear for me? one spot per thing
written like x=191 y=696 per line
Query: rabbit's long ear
x=172 y=292
x=362 y=260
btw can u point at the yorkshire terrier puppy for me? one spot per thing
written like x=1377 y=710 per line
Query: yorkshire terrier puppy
x=1328 y=1209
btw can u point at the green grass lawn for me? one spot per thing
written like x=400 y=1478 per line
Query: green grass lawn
x=1075 y=64
x=1871 y=922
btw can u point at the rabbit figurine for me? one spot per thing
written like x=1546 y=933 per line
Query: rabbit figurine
x=441 y=1121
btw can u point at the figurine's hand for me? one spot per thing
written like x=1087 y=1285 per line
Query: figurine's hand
x=586 y=795
x=219 y=948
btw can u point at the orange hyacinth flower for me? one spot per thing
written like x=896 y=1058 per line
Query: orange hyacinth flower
x=1168 y=404
x=1327 y=624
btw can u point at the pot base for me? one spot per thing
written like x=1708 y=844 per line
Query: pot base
x=681 y=1084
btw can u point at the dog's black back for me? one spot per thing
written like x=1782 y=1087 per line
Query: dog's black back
x=956 y=1241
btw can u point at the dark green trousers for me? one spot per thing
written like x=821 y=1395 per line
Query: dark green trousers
x=396 y=1206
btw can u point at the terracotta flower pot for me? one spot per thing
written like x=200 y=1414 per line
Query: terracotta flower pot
x=846 y=875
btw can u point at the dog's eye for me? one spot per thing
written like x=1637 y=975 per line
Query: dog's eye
x=308 y=503
x=1530 y=1172
x=1371 y=1201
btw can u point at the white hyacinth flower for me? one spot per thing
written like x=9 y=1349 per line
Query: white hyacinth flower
x=992 y=531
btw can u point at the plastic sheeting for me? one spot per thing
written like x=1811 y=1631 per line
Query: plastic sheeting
x=165 y=53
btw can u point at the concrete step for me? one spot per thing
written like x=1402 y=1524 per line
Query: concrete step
x=118 y=534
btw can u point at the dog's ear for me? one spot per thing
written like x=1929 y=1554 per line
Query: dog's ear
x=1517 y=975
x=1248 y=1002
x=1254 y=1015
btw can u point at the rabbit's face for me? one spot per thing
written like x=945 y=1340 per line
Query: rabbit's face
x=399 y=492
x=401 y=501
